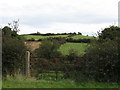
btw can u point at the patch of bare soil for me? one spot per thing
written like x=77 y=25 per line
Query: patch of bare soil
x=32 y=45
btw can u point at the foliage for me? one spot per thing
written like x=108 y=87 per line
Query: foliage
x=32 y=39
x=8 y=33
x=52 y=34
x=78 y=40
x=74 y=37
x=13 y=51
x=48 y=49
x=101 y=62
x=82 y=37
x=60 y=40
x=14 y=25
x=111 y=32
x=72 y=56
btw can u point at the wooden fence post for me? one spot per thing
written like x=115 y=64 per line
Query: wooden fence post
x=27 y=70
x=56 y=68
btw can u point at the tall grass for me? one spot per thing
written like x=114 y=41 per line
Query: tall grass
x=18 y=77
x=20 y=81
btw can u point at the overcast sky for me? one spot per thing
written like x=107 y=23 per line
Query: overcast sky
x=59 y=16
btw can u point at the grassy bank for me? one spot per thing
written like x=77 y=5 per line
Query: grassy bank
x=55 y=84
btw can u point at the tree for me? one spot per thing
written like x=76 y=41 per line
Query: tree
x=79 y=33
x=7 y=32
x=101 y=62
x=72 y=56
x=14 y=26
x=111 y=32
x=48 y=49
x=13 y=51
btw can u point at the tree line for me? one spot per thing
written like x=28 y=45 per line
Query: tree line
x=51 y=34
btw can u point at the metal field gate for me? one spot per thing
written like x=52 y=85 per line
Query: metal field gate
x=42 y=68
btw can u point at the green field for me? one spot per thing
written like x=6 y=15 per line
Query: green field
x=79 y=48
x=36 y=37
x=82 y=37
x=31 y=83
x=50 y=75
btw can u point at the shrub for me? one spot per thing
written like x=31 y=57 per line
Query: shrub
x=78 y=40
x=72 y=56
x=101 y=61
x=111 y=32
x=32 y=39
x=13 y=51
x=48 y=49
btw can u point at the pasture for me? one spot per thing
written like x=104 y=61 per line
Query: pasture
x=36 y=37
x=79 y=48
x=51 y=76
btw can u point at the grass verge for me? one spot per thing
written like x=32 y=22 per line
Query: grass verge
x=24 y=82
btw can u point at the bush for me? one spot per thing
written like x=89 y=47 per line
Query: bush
x=13 y=51
x=101 y=62
x=60 y=40
x=72 y=56
x=111 y=32
x=78 y=40
x=32 y=39
x=48 y=49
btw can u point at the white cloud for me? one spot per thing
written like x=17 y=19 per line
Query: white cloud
x=65 y=14
x=56 y=7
